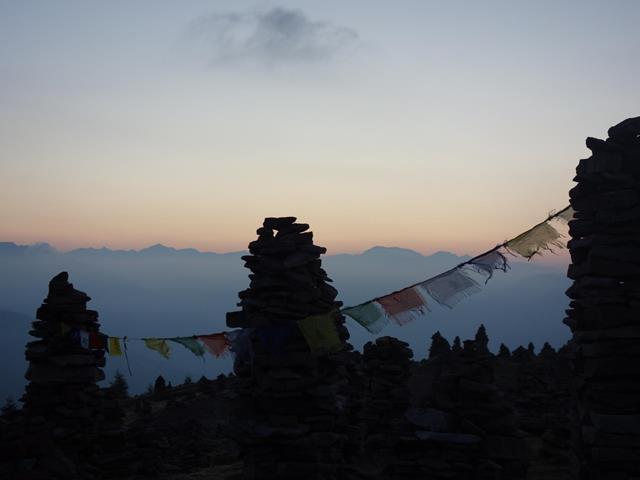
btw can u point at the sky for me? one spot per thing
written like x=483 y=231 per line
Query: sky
x=425 y=125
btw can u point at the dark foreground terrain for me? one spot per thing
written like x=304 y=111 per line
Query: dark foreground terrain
x=463 y=413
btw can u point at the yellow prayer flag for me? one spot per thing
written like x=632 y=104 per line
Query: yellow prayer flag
x=114 y=347
x=541 y=237
x=159 y=345
x=320 y=332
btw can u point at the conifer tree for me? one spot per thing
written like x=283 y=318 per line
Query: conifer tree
x=504 y=351
x=119 y=385
x=482 y=339
x=160 y=385
x=439 y=345
x=547 y=350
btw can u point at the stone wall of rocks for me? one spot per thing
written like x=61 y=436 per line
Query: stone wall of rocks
x=300 y=427
x=605 y=305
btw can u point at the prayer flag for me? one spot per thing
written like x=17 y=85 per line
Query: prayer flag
x=240 y=341
x=404 y=305
x=83 y=338
x=369 y=315
x=451 y=287
x=540 y=237
x=566 y=215
x=159 y=345
x=114 y=347
x=216 y=343
x=320 y=332
x=489 y=262
x=97 y=341
x=190 y=343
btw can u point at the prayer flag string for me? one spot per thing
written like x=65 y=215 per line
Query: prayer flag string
x=450 y=287
x=402 y=306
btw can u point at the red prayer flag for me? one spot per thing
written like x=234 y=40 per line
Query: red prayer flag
x=216 y=343
x=96 y=341
x=398 y=303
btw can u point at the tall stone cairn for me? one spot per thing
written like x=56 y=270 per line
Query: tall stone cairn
x=62 y=374
x=604 y=312
x=299 y=426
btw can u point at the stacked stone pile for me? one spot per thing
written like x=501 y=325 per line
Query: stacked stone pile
x=300 y=425
x=387 y=364
x=62 y=372
x=478 y=426
x=539 y=390
x=604 y=313
x=67 y=419
x=405 y=442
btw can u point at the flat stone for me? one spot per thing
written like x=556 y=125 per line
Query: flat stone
x=617 y=424
x=274 y=223
x=627 y=129
x=461 y=438
x=429 y=418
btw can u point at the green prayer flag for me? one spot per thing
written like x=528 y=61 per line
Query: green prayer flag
x=369 y=315
x=320 y=333
x=191 y=343
x=159 y=345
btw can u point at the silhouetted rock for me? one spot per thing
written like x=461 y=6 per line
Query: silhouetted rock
x=64 y=409
x=605 y=307
x=299 y=428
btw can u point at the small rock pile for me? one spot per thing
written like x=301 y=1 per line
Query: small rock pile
x=63 y=368
x=300 y=423
x=387 y=364
x=466 y=422
x=605 y=308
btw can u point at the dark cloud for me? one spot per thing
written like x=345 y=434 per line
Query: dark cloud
x=277 y=35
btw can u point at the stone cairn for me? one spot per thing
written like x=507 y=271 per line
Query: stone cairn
x=61 y=372
x=299 y=425
x=604 y=312
x=464 y=389
x=68 y=420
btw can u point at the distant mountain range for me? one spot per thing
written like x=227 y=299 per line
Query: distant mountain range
x=163 y=291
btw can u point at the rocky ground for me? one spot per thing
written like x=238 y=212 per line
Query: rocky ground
x=505 y=415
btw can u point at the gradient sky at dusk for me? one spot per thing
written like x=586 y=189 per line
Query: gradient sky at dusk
x=426 y=125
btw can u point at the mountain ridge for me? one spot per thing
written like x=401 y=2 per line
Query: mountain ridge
x=159 y=249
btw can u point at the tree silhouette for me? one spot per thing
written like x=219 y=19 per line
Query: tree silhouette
x=119 y=385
